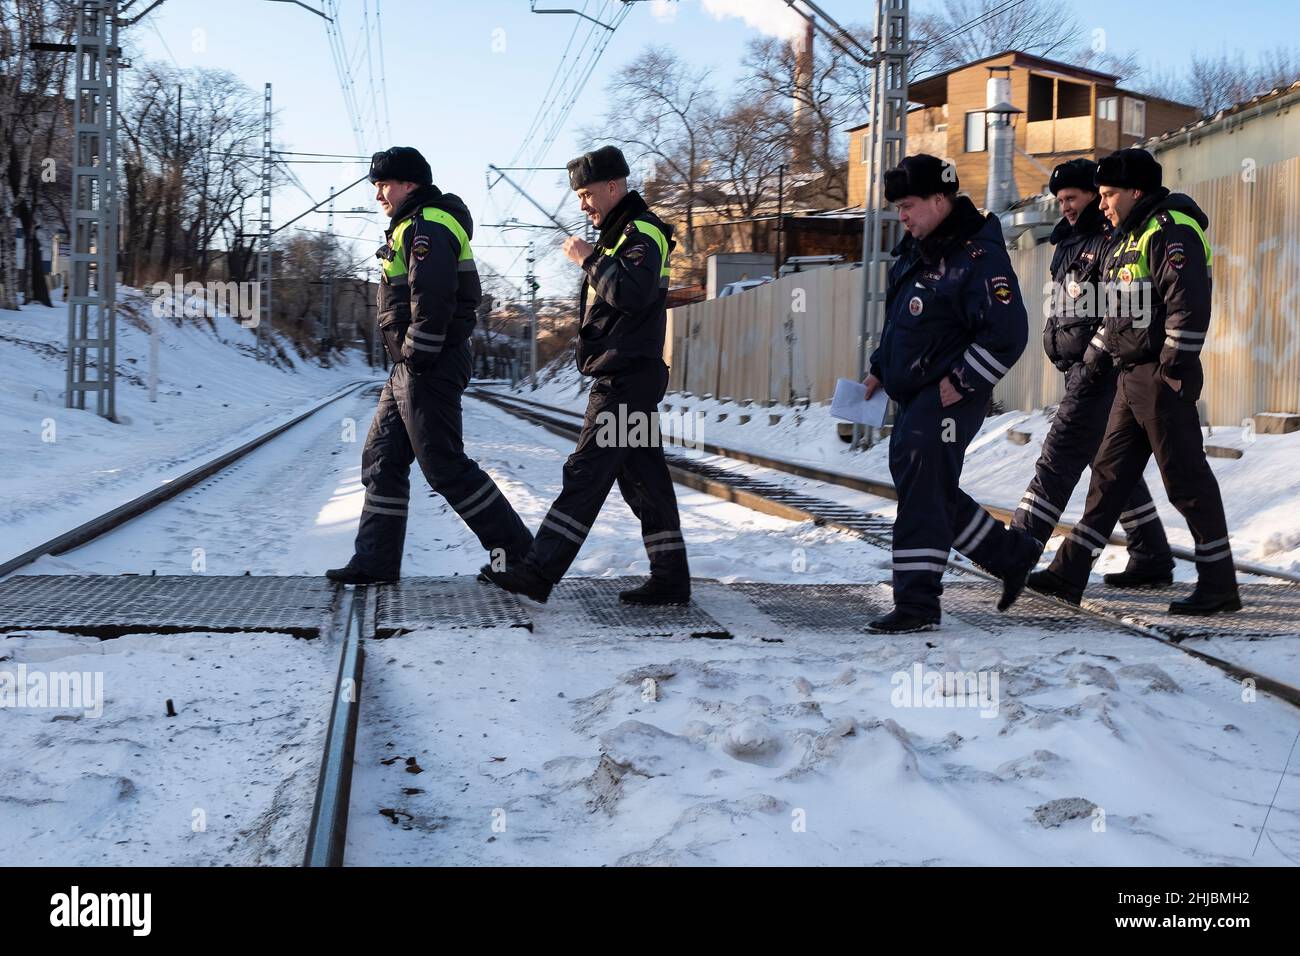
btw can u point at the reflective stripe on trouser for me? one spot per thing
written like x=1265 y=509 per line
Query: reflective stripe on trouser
x=934 y=514
x=1069 y=447
x=593 y=468
x=419 y=419
x=1148 y=417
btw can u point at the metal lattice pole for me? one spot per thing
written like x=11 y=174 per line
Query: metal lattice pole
x=532 y=318
x=881 y=230
x=264 y=239
x=328 y=308
x=92 y=254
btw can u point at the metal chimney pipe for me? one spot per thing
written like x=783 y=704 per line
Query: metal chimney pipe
x=1001 y=191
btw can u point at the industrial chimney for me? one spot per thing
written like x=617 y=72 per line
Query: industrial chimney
x=801 y=148
x=999 y=115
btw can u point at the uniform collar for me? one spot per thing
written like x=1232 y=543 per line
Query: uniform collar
x=1090 y=222
x=959 y=225
x=1146 y=207
x=624 y=211
x=422 y=196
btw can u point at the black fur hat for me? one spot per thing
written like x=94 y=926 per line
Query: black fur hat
x=920 y=175
x=1074 y=174
x=596 y=167
x=402 y=164
x=1131 y=168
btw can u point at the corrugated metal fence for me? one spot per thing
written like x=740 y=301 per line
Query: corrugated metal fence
x=792 y=338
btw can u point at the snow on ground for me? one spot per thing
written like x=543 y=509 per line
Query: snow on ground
x=754 y=752
x=542 y=749
x=229 y=780
x=1260 y=489
x=213 y=395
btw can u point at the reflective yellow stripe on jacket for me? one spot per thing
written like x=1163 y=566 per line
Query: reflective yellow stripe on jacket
x=660 y=240
x=395 y=269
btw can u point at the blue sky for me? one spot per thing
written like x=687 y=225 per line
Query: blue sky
x=465 y=79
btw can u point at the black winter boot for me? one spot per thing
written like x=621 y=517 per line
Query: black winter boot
x=349 y=574
x=518 y=580
x=1052 y=584
x=1202 y=603
x=658 y=591
x=899 y=621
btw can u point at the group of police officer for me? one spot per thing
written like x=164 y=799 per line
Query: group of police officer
x=1129 y=314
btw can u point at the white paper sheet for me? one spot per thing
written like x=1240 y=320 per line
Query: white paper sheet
x=850 y=403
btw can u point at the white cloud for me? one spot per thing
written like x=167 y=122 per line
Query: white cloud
x=771 y=17
x=665 y=11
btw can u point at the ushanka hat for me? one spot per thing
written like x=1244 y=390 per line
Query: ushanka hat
x=596 y=167
x=920 y=175
x=402 y=164
x=1129 y=169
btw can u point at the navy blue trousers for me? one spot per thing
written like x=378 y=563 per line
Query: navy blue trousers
x=927 y=448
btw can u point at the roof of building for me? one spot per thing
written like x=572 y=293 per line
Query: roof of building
x=1205 y=122
x=1031 y=60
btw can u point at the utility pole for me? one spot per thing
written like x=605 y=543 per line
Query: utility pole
x=329 y=277
x=92 y=254
x=264 y=240
x=177 y=180
x=780 y=220
x=532 y=319
x=881 y=229
x=887 y=59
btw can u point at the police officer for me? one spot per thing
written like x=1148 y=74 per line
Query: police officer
x=1073 y=298
x=1157 y=316
x=954 y=325
x=620 y=345
x=428 y=293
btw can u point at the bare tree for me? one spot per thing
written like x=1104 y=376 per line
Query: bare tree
x=188 y=183
x=659 y=105
x=745 y=144
x=834 y=94
x=33 y=113
x=966 y=30
x=1215 y=82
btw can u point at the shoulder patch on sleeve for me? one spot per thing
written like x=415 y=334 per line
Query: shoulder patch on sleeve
x=1002 y=290
x=1175 y=255
x=420 y=247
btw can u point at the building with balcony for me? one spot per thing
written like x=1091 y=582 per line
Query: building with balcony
x=1067 y=112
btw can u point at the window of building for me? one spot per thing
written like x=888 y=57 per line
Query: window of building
x=1135 y=117
x=1106 y=109
x=976 y=132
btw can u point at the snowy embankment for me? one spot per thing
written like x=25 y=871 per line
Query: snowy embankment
x=213 y=394
x=1261 y=489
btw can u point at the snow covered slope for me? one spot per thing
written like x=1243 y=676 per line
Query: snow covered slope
x=70 y=465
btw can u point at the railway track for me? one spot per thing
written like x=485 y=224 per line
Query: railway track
x=115 y=518
x=776 y=499
x=327 y=836
x=353 y=617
